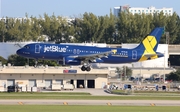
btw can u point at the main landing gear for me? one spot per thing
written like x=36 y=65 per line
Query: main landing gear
x=86 y=68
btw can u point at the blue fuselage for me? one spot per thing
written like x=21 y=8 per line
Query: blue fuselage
x=58 y=52
x=73 y=54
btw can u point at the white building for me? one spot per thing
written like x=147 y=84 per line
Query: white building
x=141 y=10
x=156 y=63
x=10 y=48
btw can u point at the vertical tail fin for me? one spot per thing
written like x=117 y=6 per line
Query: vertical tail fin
x=150 y=43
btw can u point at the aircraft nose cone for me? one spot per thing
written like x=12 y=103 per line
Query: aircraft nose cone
x=18 y=52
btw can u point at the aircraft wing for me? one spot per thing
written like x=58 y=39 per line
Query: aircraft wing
x=91 y=56
x=154 y=55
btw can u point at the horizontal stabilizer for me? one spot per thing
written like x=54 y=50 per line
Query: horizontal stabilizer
x=153 y=56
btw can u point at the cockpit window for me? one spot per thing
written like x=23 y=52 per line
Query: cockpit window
x=26 y=47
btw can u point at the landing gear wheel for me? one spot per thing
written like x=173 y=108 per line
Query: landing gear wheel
x=88 y=69
x=83 y=68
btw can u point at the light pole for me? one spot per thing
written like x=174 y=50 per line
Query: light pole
x=125 y=73
x=164 y=66
x=140 y=70
x=167 y=37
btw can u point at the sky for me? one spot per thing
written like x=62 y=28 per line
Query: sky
x=75 y=8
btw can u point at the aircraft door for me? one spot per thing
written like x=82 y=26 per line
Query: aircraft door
x=134 y=54
x=37 y=48
x=77 y=51
x=74 y=51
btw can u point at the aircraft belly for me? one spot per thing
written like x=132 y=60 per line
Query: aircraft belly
x=47 y=56
x=117 y=60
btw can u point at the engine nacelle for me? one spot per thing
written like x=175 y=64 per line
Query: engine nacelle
x=73 y=61
x=98 y=60
x=70 y=61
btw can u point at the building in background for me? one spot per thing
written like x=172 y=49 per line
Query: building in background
x=155 y=63
x=141 y=10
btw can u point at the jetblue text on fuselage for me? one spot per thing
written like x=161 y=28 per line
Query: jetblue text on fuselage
x=54 y=48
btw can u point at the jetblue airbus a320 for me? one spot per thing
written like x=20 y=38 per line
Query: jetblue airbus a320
x=85 y=55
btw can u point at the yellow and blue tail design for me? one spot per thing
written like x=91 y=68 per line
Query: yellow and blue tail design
x=149 y=45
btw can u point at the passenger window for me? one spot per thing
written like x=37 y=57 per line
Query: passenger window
x=27 y=47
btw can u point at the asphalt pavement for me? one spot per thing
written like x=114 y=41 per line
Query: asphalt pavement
x=92 y=102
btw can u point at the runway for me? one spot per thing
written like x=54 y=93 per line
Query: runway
x=93 y=102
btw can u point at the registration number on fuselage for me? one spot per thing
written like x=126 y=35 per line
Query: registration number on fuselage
x=121 y=54
x=54 y=48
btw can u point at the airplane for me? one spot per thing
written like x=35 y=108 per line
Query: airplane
x=85 y=55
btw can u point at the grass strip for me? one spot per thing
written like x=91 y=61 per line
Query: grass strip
x=79 y=108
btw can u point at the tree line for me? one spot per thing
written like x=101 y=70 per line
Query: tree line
x=126 y=28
